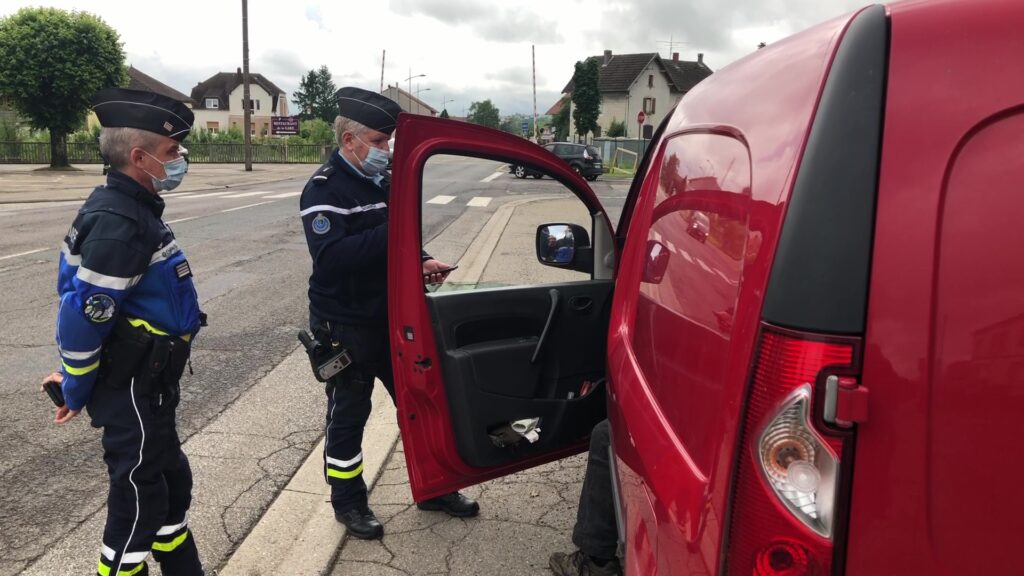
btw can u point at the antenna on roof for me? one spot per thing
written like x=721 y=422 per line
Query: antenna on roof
x=671 y=42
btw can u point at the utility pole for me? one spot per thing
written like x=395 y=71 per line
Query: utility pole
x=533 y=54
x=383 y=55
x=246 y=104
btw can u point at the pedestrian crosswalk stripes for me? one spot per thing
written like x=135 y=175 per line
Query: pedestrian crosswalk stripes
x=479 y=201
x=441 y=199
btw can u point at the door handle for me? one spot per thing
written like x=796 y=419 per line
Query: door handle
x=555 y=297
x=581 y=303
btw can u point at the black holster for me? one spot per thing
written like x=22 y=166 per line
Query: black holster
x=156 y=364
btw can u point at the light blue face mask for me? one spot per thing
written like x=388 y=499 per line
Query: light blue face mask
x=376 y=160
x=174 y=171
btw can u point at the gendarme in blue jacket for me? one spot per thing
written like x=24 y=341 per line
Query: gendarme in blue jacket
x=118 y=259
x=344 y=215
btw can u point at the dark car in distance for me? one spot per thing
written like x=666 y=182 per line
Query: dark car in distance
x=585 y=160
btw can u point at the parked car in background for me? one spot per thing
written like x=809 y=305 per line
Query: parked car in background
x=831 y=381
x=585 y=160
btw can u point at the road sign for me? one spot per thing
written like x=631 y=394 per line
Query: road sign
x=526 y=126
x=640 y=117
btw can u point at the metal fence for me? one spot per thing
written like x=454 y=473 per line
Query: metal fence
x=608 y=146
x=89 y=153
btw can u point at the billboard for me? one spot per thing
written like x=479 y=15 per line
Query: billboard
x=284 y=125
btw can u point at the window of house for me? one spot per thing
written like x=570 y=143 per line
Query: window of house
x=213 y=127
x=650 y=80
x=649 y=105
x=254 y=105
x=212 y=103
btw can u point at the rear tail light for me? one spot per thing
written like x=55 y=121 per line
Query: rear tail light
x=786 y=496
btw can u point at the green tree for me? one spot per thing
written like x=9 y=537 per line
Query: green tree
x=485 y=114
x=560 y=121
x=316 y=131
x=315 y=96
x=586 y=98
x=444 y=113
x=53 y=63
x=616 y=129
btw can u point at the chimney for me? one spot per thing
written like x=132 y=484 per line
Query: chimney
x=607 y=57
x=675 y=56
x=700 y=58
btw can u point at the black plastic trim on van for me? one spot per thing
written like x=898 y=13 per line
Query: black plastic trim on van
x=819 y=280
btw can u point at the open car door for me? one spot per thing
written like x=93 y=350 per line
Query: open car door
x=475 y=368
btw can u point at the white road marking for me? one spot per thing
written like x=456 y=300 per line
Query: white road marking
x=23 y=253
x=493 y=176
x=703 y=265
x=245 y=194
x=178 y=194
x=246 y=206
x=285 y=195
x=209 y=195
x=440 y=199
x=479 y=201
x=686 y=255
x=181 y=220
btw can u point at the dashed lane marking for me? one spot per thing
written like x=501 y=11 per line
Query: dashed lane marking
x=246 y=206
x=442 y=199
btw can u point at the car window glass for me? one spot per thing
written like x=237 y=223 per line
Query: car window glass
x=483 y=216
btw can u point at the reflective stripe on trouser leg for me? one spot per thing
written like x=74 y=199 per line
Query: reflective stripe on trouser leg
x=132 y=563
x=174 y=545
x=348 y=408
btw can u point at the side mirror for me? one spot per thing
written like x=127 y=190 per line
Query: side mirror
x=564 y=246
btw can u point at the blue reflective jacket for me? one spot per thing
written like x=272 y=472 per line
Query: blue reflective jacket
x=118 y=259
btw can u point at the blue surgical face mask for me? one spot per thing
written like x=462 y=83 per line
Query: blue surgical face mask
x=376 y=160
x=174 y=173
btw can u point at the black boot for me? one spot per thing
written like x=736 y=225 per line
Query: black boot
x=361 y=523
x=454 y=504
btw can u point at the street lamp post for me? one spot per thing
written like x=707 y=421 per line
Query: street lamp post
x=445 y=101
x=409 y=81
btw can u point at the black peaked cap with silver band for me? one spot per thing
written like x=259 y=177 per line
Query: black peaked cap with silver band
x=124 y=108
x=370 y=109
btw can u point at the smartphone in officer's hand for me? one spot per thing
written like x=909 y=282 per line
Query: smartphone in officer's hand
x=443 y=271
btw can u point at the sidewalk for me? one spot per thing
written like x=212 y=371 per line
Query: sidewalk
x=524 y=517
x=28 y=183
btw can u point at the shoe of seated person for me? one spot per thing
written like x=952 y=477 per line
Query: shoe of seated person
x=579 y=564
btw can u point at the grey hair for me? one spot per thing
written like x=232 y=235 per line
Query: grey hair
x=116 y=144
x=343 y=124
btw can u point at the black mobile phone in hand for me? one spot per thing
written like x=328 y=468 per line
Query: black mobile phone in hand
x=427 y=275
x=55 y=393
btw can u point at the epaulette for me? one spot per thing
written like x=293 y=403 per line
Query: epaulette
x=323 y=174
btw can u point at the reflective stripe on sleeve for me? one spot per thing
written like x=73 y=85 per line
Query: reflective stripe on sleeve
x=104 y=281
x=343 y=211
x=80 y=371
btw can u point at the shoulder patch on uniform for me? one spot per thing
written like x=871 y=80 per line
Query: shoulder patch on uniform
x=99 y=308
x=321 y=224
x=323 y=174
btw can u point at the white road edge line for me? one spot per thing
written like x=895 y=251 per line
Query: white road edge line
x=23 y=253
x=246 y=194
x=246 y=206
x=493 y=176
x=285 y=195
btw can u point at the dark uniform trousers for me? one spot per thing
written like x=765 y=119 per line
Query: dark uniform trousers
x=596 y=533
x=150 y=479
x=348 y=406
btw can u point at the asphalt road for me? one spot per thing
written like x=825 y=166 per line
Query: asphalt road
x=251 y=266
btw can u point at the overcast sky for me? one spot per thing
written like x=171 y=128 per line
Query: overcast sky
x=469 y=50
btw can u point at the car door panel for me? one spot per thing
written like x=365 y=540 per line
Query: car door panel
x=489 y=372
x=466 y=363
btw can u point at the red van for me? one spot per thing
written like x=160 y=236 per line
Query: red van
x=831 y=380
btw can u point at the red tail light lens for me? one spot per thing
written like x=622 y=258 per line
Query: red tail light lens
x=788 y=478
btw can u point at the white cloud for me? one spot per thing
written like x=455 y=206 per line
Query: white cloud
x=469 y=50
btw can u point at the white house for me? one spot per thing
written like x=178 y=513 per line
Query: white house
x=218 y=103
x=630 y=83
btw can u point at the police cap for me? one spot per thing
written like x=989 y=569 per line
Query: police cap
x=124 y=108
x=370 y=109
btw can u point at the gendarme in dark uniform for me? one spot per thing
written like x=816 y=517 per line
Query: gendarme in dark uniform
x=344 y=210
x=128 y=313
